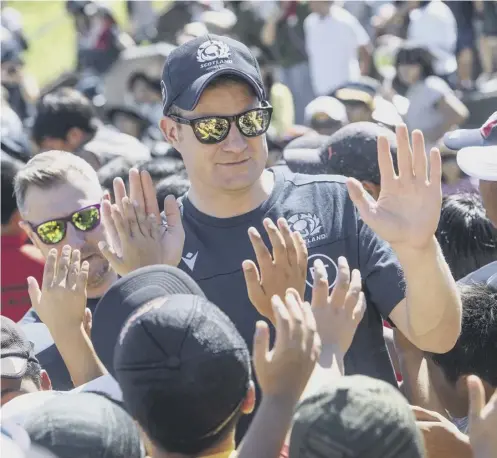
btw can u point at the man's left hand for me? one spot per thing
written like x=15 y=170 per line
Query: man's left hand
x=408 y=208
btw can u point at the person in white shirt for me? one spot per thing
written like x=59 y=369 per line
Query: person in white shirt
x=433 y=26
x=337 y=45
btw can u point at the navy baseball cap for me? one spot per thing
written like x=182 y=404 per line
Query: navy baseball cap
x=184 y=360
x=128 y=294
x=192 y=66
x=303 y=155
x=17 y=351
x=486 y=135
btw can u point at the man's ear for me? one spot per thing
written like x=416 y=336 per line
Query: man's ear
x=170 y=130
x=248 y=404
x=46 y=383
x=29 y=232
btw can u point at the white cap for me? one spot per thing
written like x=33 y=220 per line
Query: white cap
x=330 y=106
x=479 y=162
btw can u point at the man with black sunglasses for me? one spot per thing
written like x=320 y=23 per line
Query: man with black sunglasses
x=215 y=115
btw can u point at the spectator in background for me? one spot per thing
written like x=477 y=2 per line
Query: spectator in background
x=433 y=26
x=67 y=121
x=325 y=115
x=337 y=45
x=433 y=107
x=176 y=185
x=21 y=371
x=144 y=92
x=143 y=20
x=465 y=234
x=19 y=260
x=283 y=32
x=488 y=39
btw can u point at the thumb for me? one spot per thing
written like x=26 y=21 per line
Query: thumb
x=261 y=345
x=364 y=202
x=172 y=212
x=476 y=397
x=88 y=322
x=34 y=291
x=109 y=254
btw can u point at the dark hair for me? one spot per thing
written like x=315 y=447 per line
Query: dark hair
x=10 y=167
x=116 y=168
x=60 y=111
x=33 y=373
x=466 y=236
x=475 y=351
x=176 y=185
x=160 y=168
x=412 y=54
x=134 y=78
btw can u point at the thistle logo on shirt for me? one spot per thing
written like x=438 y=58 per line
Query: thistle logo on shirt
x=211 y=52
x=308 y=225
x=330 y=266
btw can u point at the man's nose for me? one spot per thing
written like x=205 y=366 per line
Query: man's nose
x=74 y=238
x=235 y=142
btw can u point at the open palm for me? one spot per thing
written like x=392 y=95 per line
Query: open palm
x=408 y=208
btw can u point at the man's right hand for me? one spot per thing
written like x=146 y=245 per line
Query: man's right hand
x=138 y=236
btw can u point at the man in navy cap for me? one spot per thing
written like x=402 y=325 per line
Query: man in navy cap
x=216 y=114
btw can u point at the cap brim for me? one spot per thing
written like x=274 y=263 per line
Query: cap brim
x=479 y=162
x=13 y=367
x=463 y=138
x=189 y=99
x=128 y=294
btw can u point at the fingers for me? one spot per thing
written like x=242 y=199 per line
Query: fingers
x=121 y=226
x=73 y=269
x=63 y=265
x=49 y=271
x=385 y=162
x=109 y=223
x=83 y=277
x=435 y=168
x=264 y=258
x=342 y=284
x=320 y=286
x=119 y=192
x=354 y=291
x=34 y=291
x=108 y=253
x=88 y=322
x=129 y=218
x=261 y=344
x=135 y=188
x=476 y=398
x=422 y=414
x=359 y=309
x=404 y=154
x=283 y=323
x=420 y=162
x=149 y=194
x=253 y=282
x=364 y=202
x=302 y=253
x=277 y=241
x=173 y=214
x=311 y=326
x=291 y=243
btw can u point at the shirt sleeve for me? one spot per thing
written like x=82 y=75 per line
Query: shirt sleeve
x=383 y=280
x=360 y=33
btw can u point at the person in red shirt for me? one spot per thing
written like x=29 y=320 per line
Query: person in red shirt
x=19 y=260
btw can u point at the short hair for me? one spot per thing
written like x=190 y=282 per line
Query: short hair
x=115 y=168
x=414 y=54
x=9 y=167
x=220 y=81
x=467 y=237
x=33 y=373
x=475 y=352
x=176 y=185
x=59 y=111
x=50 y=169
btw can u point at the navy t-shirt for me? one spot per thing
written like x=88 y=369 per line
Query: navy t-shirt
x=318 y=207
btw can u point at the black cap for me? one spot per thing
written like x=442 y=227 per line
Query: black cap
x=128 y=294
x=83 y=425
x=353 y=151
x=192 y=66
x=183 y=359
x=17 y=351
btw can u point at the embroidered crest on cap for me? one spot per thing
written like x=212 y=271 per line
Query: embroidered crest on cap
x=164 y=93
x=212 y=50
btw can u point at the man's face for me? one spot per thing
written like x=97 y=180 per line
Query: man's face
x=488 y=191
x=41 y=205
x=234 y=164
x=409 y=73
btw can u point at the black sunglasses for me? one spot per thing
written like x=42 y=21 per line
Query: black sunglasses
x=210 y=130
x=53 y=231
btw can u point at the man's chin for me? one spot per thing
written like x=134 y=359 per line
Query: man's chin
x=100 y=278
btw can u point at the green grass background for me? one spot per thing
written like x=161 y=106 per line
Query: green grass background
x=51 y=35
